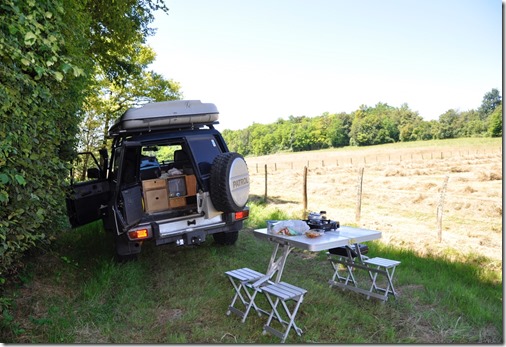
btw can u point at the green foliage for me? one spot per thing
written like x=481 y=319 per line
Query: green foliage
x=40 y=87
x=495 y=122
x=115 y=32
x=49 y=51
x=490 y=102
x=109 y=99
x=364 y=127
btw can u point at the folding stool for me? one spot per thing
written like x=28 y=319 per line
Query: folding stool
x=385 y=267
x=283 y=292
x=242 y=280
x=346 y=256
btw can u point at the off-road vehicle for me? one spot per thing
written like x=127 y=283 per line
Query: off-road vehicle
x=170 y=179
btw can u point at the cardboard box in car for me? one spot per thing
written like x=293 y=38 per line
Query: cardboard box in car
x=156 y=200
x=177 y=202
x=157 y=183
x=191 y=185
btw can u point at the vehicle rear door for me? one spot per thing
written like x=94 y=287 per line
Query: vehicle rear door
x=204 y=149
x=127 y=196
x=86 y=197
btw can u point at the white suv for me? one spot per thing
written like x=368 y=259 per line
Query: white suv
x=170 y=179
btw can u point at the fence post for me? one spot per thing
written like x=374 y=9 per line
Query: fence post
x=304 y=193
x=440 y=208
x=358 y=208
x=265 y=194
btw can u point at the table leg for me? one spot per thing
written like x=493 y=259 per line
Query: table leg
x=276 y=264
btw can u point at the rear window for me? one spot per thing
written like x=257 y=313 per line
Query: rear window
x=204 y=150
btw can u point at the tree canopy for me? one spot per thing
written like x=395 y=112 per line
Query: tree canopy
x=366 y=126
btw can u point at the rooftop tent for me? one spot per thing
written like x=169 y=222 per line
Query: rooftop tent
x=165 y=115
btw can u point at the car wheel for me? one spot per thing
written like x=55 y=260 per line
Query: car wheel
x=226 y=238
x=229 y=186
x=123 y=250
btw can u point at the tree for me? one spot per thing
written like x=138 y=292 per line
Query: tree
x=490 y=102
x=116 y=29
x=495 y=122
x=111 y=99
x=448 y=122
x=338 y=131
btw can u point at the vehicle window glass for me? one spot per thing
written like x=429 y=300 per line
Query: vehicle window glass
x=115 y=162
x=130 y=168
x=204 y=150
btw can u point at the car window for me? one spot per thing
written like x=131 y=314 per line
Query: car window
x=204 y=150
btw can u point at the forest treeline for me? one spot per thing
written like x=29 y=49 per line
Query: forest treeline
x=366 y=126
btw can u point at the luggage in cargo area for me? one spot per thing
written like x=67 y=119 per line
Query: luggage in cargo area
x=161 y=194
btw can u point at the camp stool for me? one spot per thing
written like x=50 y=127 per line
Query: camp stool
x=384 y=267
x=346 y=256
x=242 y=281
x=283 y=292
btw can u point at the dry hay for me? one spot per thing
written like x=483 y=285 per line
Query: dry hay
x=399 y=197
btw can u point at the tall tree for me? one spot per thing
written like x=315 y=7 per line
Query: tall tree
x=491 y=100
x=110 y=99
x=116 y=29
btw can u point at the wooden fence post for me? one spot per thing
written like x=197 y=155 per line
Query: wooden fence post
x=265 y=194
x=440 y=208
x=304 y=193
x=359 y=195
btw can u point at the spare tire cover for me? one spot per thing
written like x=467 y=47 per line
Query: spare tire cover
x=229 y=186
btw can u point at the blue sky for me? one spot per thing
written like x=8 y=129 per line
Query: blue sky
x=267 y=59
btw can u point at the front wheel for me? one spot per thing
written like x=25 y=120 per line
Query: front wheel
x=224 y=238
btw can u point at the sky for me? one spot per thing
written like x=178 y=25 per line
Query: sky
x=259 y=61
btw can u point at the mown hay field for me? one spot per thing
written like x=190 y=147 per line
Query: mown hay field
x=402 y=190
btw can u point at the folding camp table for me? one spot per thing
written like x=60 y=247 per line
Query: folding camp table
x=283 y=292
x=343 y=236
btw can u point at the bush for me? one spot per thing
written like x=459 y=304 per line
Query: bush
x=40 y=89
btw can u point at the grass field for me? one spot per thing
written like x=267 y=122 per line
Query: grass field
x=401 y=192
x=75 y=292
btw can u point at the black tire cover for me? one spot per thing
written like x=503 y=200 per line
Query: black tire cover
x=229 y=185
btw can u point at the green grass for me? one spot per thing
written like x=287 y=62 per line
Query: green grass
x=76 y=293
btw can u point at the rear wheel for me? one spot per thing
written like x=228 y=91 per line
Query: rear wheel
x=226 y=238
x=125 y=251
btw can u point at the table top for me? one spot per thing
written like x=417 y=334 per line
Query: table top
x=342 y=236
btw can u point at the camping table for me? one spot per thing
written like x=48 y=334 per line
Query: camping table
x=343 y=236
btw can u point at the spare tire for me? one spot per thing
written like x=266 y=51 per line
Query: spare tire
x=229 y=185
